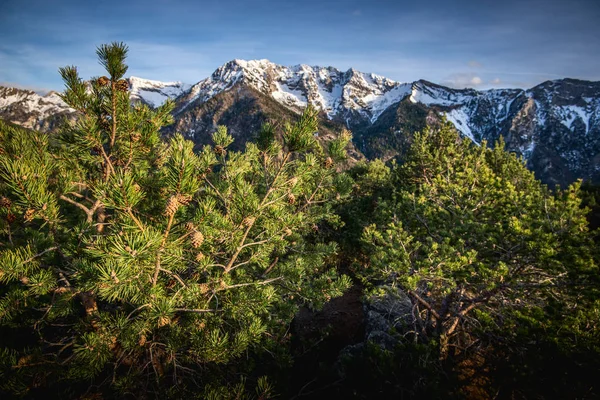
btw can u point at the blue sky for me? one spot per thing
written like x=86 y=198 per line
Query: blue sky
x=460 y=43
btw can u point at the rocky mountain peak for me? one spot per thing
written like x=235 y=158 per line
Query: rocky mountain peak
x=154 y=93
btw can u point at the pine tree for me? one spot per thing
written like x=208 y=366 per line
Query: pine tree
x=476 y=240
x=137 y=261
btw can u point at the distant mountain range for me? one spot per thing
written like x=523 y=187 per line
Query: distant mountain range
x=555 y=126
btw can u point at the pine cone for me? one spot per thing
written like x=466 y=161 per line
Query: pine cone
x=291 y=199
x=5 y=202
x=29 y=214
x=135 y=137
x=248 y=221
x=200 y=256
x=103 y=81
x=162 y=321
x=197 y=239
x=220 y=150
x=172 y=206
x=190 y=227
x=288 y=232
x=293 y=181
x=328 y=162
x=183 y=199
x=122 y=85
x=10 y=218
x=204 y=288
x=142 y=340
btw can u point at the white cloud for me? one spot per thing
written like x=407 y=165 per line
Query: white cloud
x=462 y=80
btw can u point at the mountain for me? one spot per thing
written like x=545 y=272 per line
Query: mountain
x=351 y=97
x=34 y=111
x=155 y=93
x=31 y=110
x=554 y=125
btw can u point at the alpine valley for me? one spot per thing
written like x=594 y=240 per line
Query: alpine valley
x=555 y=126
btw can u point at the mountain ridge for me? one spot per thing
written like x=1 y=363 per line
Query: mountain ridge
x=555 y=125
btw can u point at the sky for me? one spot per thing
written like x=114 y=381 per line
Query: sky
x=459 y=43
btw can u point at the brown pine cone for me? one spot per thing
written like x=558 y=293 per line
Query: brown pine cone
x=291 y=199
x=183 y=199
x=220 y=150
x=122 y=85
x=5 y=202
x=29 y=214
x=197 y=239
x=172 y=206
x=164 y=320
x=10 y=217
x=204 y=288
x=328 y=162
x=248 y=221
x=103 y=81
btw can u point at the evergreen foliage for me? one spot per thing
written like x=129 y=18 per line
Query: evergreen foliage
x=132 y=265
x=139 y=263
x=484 y=252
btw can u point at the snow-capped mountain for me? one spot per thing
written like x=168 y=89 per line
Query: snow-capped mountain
x=31 y=110
x=340 y=95
x=554 y=126
x=155 y=93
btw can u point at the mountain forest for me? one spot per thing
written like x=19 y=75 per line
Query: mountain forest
x=137 y=263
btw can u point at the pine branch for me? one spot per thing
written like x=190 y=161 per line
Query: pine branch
x=161 y=249
x=425 y=304
x=174 y=275
x=113 y=136
x=251 y=283
x=40 y=254
x=199 y=311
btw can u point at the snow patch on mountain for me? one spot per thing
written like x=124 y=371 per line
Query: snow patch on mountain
x=30 y=101
x=568 y=114
x=155 y=93
x=460 y=120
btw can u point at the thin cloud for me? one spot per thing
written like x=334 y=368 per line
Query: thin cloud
x=463 y=80
x=39 y=90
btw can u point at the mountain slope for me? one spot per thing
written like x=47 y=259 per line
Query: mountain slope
x=155 y=93
x=243 y=110
x=554 y=125
x=31 y=110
